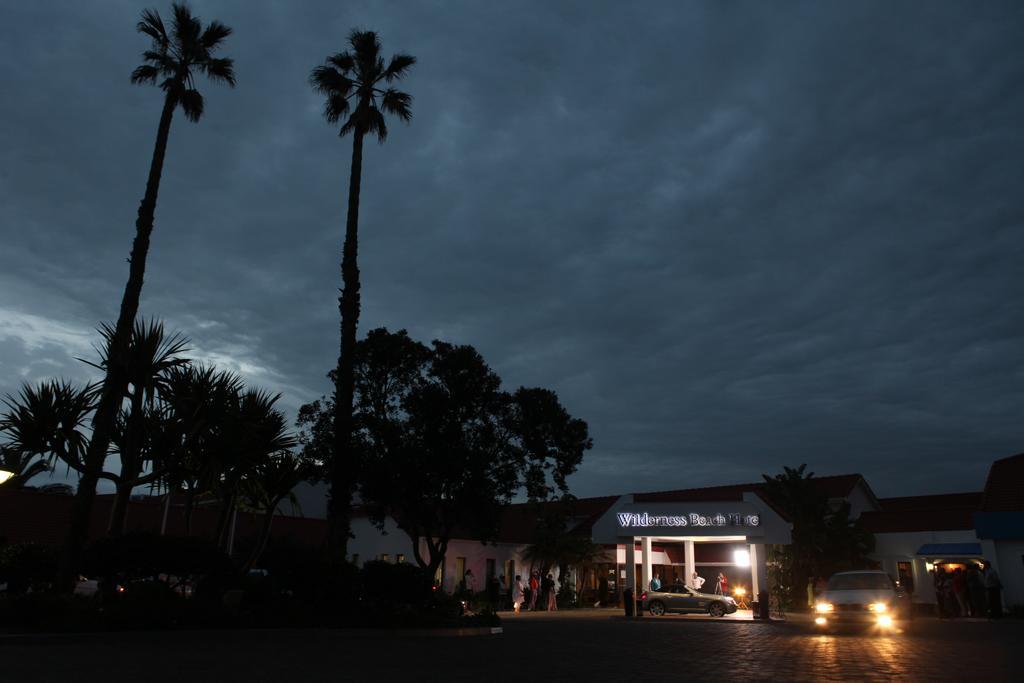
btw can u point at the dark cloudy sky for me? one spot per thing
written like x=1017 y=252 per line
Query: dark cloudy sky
x=732 y=236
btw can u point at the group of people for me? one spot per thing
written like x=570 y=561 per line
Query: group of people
x=526 y=594
x=971 y=592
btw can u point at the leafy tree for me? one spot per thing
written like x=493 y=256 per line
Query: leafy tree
x=252 y=434
x=175 y=59
x=555 y=545
x=824 y=538
x=443 y=448
x=356 y=87
x=47 y=421
x=272 y=482
x=151 y=354
x=199 y=400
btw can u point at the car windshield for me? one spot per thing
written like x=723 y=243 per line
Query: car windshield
x=860 y=582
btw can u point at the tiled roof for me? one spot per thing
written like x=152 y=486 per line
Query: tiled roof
x=39 y=517
x=943 y=512
x=834 y=486
x=1004 y=489
x=518 y=521
x=971 y=500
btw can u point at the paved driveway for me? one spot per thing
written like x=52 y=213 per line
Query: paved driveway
x=566 y=646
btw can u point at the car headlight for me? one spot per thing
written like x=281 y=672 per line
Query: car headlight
x=824 y=607
x=878 y=607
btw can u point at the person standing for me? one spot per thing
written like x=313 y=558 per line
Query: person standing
x=655 y=583
x=994 y=588
x=551 y=593
x=517 y=594
x=976 y=592
x=698 y=581
x=959 y=587
x=534 y=589
x=724 y=582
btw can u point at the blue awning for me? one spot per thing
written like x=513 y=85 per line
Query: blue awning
x=950 y=550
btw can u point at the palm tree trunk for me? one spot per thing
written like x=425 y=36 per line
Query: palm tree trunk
x=119 y=511
x=343 y=465
x=115 y=382
x=261 y=544
x=130 y=466
x=167 y=509
x=190 y=503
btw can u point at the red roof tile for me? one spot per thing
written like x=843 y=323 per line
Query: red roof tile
x=943 y=512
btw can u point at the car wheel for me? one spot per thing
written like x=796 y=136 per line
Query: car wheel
x=656 y=608
x=716 y=609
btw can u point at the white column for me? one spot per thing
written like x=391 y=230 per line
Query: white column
x=645 y=559
x=690 y=565
x=758 y=569
x=630 y=564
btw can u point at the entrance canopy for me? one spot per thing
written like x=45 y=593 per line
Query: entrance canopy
x=750 y=519
x=949 y=550
x=635 y=523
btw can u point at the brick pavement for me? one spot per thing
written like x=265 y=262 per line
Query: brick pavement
x=595 y=646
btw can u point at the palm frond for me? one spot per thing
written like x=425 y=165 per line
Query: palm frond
x=343 y=62
x=398 y=67
x=145 y=73
x=214 y=35
x=375 y=124
x=185 y=27
x=328 y=80
x=153 y=26
x=366 y=51
x=397 y=103
x=220 y=69
x=335 y=107
x=192 y=104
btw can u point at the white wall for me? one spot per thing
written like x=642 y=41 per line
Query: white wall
x=900 y=547
x=1010 y=563
x=370 y=543
x=860 y=501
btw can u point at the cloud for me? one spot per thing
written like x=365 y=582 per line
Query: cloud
x=731 y=236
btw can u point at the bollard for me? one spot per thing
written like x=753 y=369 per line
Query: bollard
x=763 y=606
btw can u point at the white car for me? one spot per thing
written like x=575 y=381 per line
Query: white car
x=861 y=597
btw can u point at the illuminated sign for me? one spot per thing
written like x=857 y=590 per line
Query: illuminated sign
x=629 y=520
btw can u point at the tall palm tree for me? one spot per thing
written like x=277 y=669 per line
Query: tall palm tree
x=356 y=85
x=175 y=58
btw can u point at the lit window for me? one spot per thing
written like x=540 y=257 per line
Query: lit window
x=385 y=557
x=400 y=558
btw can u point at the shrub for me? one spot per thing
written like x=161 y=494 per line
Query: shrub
x=25 y=566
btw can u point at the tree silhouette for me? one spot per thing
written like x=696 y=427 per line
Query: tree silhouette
x=441 y=446
x=175 y=59
x=22 y=465
x=355 y=85
x=150 y=355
